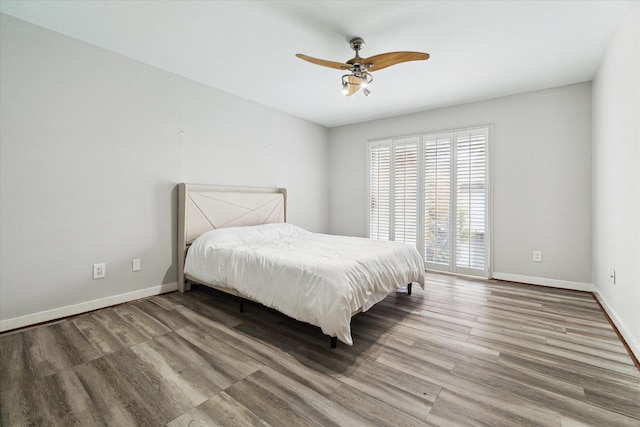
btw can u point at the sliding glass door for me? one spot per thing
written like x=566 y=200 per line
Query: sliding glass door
x=456 y=202
x=435 y=186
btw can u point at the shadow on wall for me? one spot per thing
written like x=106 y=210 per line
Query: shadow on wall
x=171 y=275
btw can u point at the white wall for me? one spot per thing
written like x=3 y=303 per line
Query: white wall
x=541 y=158
x=616 y=179
x=93 y=145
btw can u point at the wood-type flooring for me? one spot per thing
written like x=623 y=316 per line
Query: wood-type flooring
x=460 y=352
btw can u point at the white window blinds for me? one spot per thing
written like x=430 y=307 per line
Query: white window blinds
x=379 y=191
x=406 y=191
x=432 y=192
x=437 y=198
x=471 y=199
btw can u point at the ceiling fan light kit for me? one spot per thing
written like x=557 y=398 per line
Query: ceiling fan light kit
x=352 y=82
x=360 y=77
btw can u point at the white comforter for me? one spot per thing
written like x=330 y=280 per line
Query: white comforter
x=316 y=278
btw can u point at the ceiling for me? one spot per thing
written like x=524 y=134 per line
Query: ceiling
x=479 y=49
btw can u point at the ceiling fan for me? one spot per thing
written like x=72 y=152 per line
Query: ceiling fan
x=360 y=68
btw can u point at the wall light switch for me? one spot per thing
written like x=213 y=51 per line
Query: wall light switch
x=136 y=265
x=537 y=256
x=99 y=270
x=612 y=276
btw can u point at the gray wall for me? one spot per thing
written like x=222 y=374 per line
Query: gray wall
x=92 y=147
x=541 y=161
x=616 y=180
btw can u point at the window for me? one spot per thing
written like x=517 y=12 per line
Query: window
x=470 y=207
x=393 y=190
x=379 y=191
x=405 y=191
x=437 y=199
x=434 y=186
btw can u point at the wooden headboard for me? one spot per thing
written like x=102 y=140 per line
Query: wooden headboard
x=202 y=208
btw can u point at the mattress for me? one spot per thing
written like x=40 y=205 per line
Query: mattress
x=315 y=278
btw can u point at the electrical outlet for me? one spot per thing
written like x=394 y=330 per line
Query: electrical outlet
x=99 y=270
x=612 y=276
x=537 y=256
x=136 y=266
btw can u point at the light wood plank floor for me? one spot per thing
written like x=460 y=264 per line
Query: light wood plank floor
x=460 y=352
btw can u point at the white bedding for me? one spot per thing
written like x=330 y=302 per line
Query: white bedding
x=316 y=278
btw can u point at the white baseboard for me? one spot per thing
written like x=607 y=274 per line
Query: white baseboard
x=71 y=310
x=633 y=345
x=543 y=281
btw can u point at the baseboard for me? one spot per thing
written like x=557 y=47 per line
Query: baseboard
x=632 y=344
x=71 y=310
x=543 y=281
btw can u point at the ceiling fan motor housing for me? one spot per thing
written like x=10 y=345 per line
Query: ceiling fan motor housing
x=356 y=44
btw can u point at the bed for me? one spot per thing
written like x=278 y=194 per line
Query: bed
x=237 y=240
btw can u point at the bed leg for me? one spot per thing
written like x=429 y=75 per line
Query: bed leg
x=241 y=305
x=334 y=342
x=409 y=288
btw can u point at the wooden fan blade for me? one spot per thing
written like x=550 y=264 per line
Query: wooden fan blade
x=324 y=63
x=354 y=85
x=384 y=60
